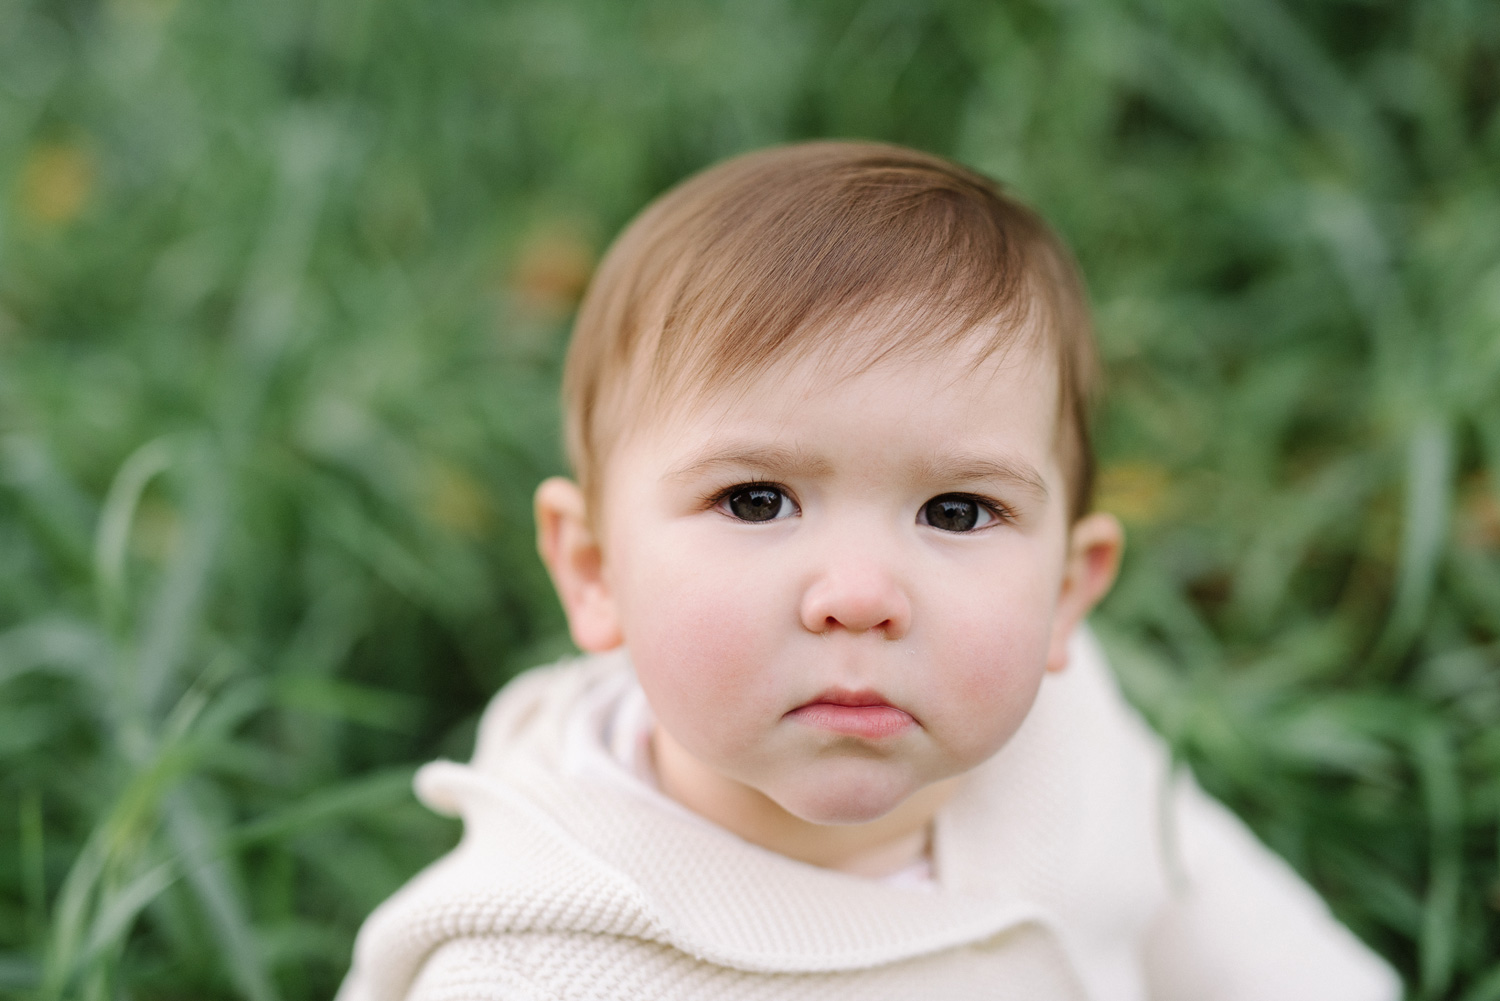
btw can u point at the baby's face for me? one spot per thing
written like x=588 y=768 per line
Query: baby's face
x=839 y=590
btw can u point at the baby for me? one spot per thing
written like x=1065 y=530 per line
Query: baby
x=840 y=731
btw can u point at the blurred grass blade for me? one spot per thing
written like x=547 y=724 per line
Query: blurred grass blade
x=18 y=972
x=113 y=850
x=1437 y=764
x=368 y=794
x=173 y=619
x=70 y=916
x=1314 y=84
x=113 y=534
x=266 y=314
x=346 y=700
x=53 y=643
x=64 y=515
x=1271 y=563
x=33 y=861
x=120 y=908
x=1424 y=529
x=227 y=914
x=1487 y=988
x=1361 y=251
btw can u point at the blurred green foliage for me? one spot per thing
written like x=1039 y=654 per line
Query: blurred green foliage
x=284 y=288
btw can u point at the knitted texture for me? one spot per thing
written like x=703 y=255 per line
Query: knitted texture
x=588 y=968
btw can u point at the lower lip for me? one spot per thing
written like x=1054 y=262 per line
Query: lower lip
x=869 y=722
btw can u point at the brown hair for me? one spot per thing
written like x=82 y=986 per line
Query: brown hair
x=750 y=260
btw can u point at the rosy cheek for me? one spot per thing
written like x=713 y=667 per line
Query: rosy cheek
x=700 y=650
x=994 y=655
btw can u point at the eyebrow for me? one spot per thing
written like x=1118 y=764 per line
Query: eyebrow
x=956 y=468
x=969 y=467
x=785 y=461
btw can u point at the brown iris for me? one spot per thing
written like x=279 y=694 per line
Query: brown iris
x=952 y=513
x=755 y=503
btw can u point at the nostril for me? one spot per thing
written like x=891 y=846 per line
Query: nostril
x=833 y=622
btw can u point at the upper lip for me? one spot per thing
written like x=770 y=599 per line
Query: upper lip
x=850 y=697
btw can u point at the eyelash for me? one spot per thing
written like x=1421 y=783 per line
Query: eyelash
x=717 y=499
x=1002 y=514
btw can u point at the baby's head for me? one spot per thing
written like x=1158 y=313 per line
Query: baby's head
x=828 y=410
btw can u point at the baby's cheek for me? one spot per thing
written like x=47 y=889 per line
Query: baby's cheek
x=992 y=678
x=697 y=654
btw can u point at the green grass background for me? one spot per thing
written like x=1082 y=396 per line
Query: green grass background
x=284 y=287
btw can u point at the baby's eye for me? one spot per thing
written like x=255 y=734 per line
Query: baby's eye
x=758 y=502
x=955 y=513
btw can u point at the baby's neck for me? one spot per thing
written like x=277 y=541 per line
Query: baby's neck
x=876 y=849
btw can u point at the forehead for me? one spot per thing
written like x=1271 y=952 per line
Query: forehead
x=866 y=385
x=869 y=350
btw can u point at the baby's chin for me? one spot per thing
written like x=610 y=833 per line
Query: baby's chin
x=845 y=796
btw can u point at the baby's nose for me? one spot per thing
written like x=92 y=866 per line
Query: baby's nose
x=858 y=597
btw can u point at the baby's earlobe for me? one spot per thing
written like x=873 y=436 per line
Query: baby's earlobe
x=1095 y=543
x=575 y=561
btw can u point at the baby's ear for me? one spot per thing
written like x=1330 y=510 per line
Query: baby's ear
x=575 y=559
x=1093 y=558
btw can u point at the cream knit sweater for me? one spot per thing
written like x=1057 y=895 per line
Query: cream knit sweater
x=1070 y=867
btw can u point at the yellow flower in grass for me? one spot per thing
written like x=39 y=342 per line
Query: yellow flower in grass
x=455 y=500
x=552 y=268
x=1478 y=514
x=55 y=184
x=1135 y=492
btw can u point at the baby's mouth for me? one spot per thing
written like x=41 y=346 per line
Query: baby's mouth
x=865 y=714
